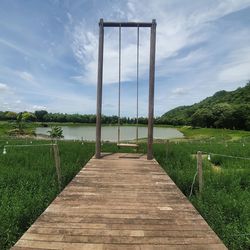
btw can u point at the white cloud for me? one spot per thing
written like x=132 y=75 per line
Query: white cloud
x=85 y=48
x=14 y=46
x=38 y=107
x=195 y=56
x=70 y=17
x=198 y=53
x=183 y=64
x=26 y=76
x=180 y=91
x=237 y=68
x=72 y=103
x=236 y=73
x=3 y=87
x=178 y=25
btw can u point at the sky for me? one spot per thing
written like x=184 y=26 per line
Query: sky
x=49 y=51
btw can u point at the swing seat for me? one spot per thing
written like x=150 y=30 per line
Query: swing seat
x=131 y=145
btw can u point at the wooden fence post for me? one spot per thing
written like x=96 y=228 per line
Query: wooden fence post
x=199 y=167
x=57 y=165
x=167 y=148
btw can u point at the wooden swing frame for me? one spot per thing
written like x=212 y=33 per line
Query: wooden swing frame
x=103 y=24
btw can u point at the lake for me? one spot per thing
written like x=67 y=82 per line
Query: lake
x=109 y=133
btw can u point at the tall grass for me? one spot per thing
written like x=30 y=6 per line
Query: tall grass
x=28 y=183
x=225 y=200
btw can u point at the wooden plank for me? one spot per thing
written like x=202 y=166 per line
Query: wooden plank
x=118 y=232
x=80 y=246
x=118 y=239
x=120 y=203
x=127 y=145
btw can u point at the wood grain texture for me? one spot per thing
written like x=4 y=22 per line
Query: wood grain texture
x=120 y=203
x=99 y=91
x=151 y=90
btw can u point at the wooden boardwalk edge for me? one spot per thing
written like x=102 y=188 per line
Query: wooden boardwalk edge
x=120 y=202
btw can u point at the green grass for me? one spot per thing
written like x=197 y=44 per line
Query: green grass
x=213 y=134
x=225 y=200
x=6 y=127
x=28 y=181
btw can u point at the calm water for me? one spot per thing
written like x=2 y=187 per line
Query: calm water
x=109 y=133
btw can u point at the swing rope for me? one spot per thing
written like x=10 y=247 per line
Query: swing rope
x=119 y=89
x=137 y=90
x=137 y=82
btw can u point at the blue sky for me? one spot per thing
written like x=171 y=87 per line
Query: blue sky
x=48 y=53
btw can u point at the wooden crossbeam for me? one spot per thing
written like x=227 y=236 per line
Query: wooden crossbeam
x=126 y=24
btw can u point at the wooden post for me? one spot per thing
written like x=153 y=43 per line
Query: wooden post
x=199 y=167
x=167 y=148
x=99 y=91
x=151 y=90
x=57 y=165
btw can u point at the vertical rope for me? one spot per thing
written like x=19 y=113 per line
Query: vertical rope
x=119 y=89
x=137 y=83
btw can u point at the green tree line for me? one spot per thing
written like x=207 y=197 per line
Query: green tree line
x=44 y=116
x=224 y=109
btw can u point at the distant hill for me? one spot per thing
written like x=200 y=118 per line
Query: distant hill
x=225 y=109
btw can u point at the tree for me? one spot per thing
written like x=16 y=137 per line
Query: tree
x=56 y=132
x=40 y=115
x=19 y=121
x=28 y=117
x=10 y=115
x=223 y=113
x=2 y=116
x=202 y=117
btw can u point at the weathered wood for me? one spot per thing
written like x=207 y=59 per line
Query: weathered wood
x=151 y=91
x=152 y=25
x=120 y=203
x=127 y=145
x=57 y=165
x=99 y=91
x=119 y=87
x=199 y=168
x=126 y=24
x=137 y=83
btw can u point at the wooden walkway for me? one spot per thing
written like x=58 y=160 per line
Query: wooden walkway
x=120 y=202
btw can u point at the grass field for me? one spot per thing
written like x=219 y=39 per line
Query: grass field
x=28 y=181
x=213 y=134
x=225 y=200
